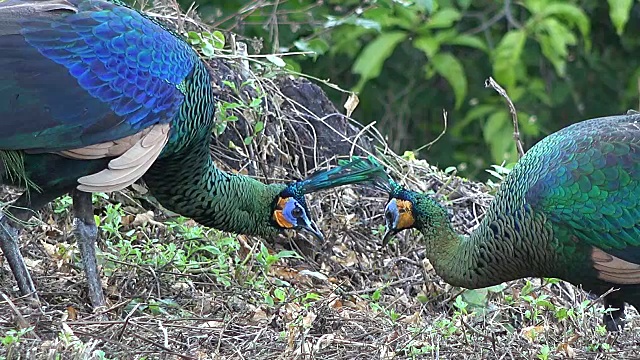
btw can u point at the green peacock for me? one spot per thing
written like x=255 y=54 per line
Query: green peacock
x=95 y=95
x=569 y=209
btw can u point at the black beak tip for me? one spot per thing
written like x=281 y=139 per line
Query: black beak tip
x=313 y=229
x=387 y=236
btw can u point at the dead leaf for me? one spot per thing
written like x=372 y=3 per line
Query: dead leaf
x=314 y=274
x=531 y=332
x=72 y=313
x=351 y=103
x=324 y=341
x=50 y=249
x=308 y=319
x=146 y=218
x=127 y=219
x=412 y=319
x=567 y=349
x=289 y=311
x=212 y=324
x=386 y=353
x=180 y=286
x=260 y=316
x=336 y=304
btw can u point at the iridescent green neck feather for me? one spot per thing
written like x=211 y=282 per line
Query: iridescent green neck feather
x=495 y=252
x=189 y=184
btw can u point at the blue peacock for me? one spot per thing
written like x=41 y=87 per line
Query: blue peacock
x=570 y=209
x=95 y=95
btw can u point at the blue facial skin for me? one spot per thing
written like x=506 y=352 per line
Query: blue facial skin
x=297 y=216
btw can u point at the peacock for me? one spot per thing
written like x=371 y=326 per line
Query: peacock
x=95 y=95
x=570 y=209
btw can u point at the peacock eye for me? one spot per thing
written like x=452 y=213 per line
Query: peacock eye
x=389 y=217
x=296 y=212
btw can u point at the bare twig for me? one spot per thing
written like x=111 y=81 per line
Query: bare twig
x=22 y=322
x=444 y=130
x=512 y=110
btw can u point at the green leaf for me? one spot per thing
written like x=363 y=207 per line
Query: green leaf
x=333 y=21
x=468 y=41
x=498 y=132
x=275 y=60
x=255 y=102
x=619 y=13
x=443 y=19
x=428 y=44
x=248 y=140
x=570 y=13
x=477 y=297
x=476 y=113
x=369 y=63
x=208 y=50
x=193 y=38
x=450 y=68
x=554 y=38
x=497 y=288
x=425 y=5
x=317 y=46
x=218 y=39
x=258 y=127
x=464 y=4
x=507 y=57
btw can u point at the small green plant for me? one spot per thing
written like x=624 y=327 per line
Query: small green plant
x=13 y=337
x=266 y=259
x=62 y=204
x=206 y=42
x=537 y=304
x=545 y=351
x=499 y=172
x=461 y=305
x=252 y=111
x=112 y=222
x=418 y=349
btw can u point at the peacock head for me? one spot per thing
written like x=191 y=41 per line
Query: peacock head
x=290 y=212
x=400 y=211
x=408 y=209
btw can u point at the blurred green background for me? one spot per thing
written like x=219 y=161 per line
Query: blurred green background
x=560 y=62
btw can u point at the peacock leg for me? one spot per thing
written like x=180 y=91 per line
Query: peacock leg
x=9 y=245
x=86 y=233
x=614 y=320
x=20 y=211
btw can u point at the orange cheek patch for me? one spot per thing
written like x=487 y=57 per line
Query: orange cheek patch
x=405 y=210
x=280 y=220
x=406 y=220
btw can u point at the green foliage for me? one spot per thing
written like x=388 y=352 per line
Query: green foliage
x=207 y=43
x=410 y=59
x=252 y=110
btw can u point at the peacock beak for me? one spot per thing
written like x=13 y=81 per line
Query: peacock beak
x=312 y=228
x=391 y=221
x=388 y=235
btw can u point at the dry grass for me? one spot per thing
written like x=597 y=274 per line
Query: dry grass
x=351 y=299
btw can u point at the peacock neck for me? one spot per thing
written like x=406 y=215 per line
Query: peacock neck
x=500 y=249
x=189 y=184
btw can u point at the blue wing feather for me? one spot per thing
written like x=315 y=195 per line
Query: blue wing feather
x=84 y=72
